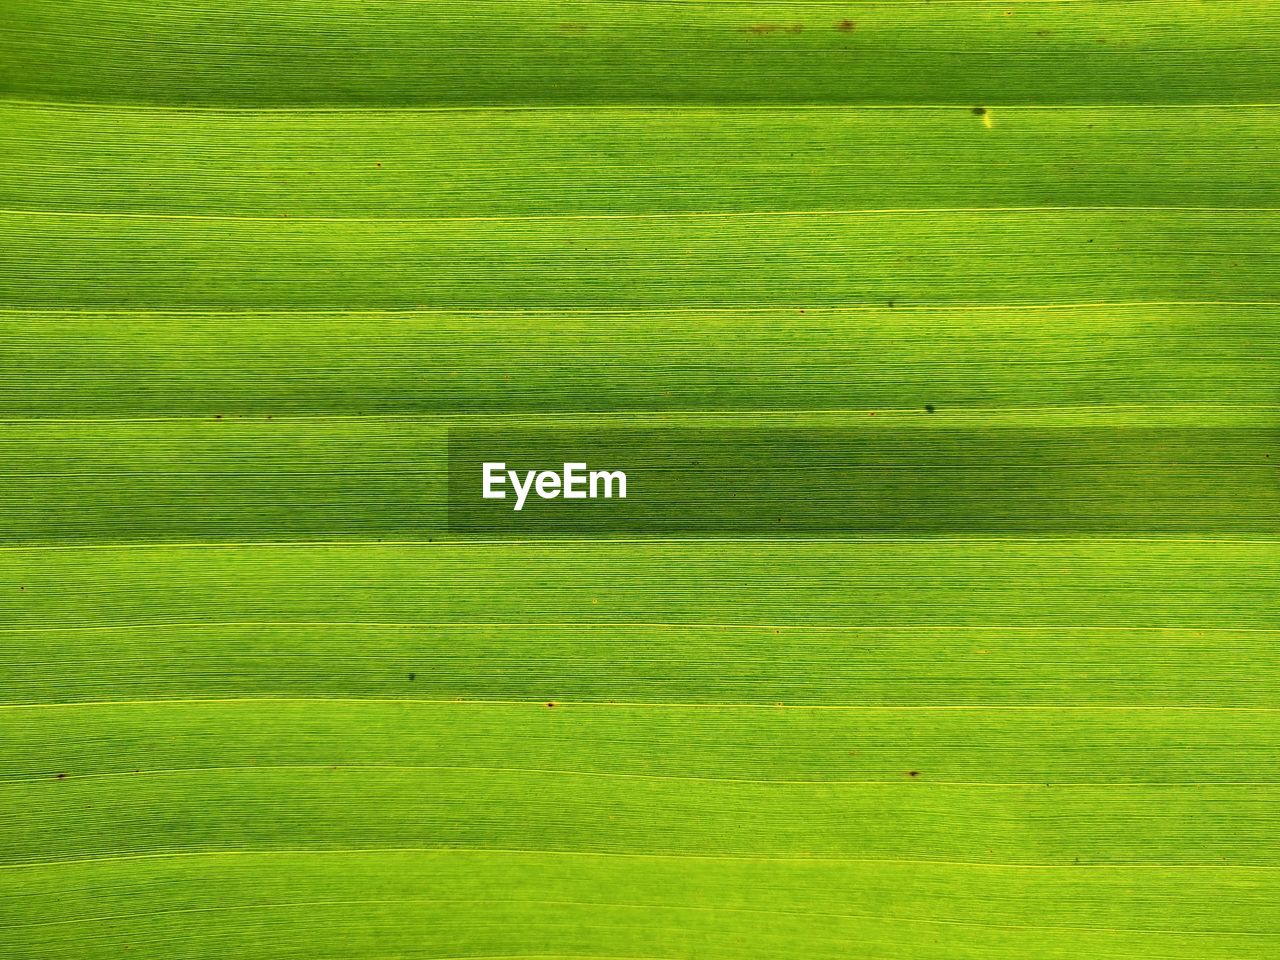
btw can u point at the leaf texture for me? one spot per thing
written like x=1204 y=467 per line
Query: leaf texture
x=262 y=262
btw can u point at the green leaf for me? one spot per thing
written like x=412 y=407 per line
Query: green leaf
x=941 y=342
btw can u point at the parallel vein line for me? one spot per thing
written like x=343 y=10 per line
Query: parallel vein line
x=669 y=215
x=646 y=704
x=633 y=855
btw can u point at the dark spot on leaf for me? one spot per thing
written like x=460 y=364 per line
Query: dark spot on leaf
x=846 y=26
x=760 y=29
x=979 y=111
x=62 y=776
x=413 y=676
x=913 y=773
x=550 y=703
x=928 y=408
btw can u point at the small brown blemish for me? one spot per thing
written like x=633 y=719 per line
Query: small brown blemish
x=913 y=773
x=760 y=29
x=61 y=776
x=550 y=704
x=846 y=26
x=979 y=111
